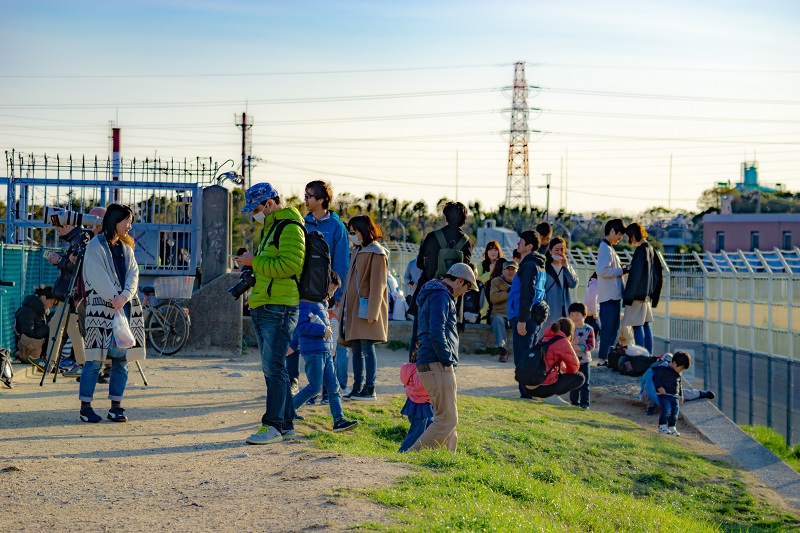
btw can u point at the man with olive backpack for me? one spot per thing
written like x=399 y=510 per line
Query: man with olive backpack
x=441 y=249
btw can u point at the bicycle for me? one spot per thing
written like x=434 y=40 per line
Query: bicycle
x=167 y=322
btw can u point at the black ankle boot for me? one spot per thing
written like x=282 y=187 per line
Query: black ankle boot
x=707 y=394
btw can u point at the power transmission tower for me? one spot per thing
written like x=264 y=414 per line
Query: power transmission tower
x=245 y=123
x=518 y=181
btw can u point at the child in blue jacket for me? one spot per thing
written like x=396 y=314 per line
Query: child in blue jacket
x=314 y=337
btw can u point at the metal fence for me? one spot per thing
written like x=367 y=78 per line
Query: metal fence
x=28 y=269
x=165 y=196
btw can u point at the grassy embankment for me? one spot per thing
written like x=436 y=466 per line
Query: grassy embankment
x=774 y=442
x=532 y=467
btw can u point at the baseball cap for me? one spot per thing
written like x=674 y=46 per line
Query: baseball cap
x=510 y=264
x=256 y=194
x=465 y=272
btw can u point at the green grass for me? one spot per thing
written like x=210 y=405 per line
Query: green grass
x=527 y=467
x=397 y=345
x=776 y=444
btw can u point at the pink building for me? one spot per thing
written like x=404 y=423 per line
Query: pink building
x=747 y=232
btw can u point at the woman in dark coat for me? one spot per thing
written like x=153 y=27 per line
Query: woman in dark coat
x=643 y=287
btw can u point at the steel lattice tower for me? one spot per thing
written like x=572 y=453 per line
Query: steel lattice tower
x=518 y=181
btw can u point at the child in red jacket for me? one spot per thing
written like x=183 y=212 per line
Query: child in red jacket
x=418 y=407
x=561 y=363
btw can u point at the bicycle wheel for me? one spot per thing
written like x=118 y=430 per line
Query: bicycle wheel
x=168 y=327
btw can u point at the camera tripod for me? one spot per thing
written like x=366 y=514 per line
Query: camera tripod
x=63 y=320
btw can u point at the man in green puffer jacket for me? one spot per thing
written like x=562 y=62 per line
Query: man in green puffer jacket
x=274 y=303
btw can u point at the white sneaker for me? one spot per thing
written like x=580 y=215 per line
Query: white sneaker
x=555 y=400
x=662 y=428
x=673 y=431
x=265 y=435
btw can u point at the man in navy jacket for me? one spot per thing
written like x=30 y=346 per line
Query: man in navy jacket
x=437 y=355
x=526 y=290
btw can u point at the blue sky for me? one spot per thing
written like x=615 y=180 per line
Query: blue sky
x=199 y=58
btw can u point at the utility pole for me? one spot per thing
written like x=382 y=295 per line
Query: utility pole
x=456 y=175
x=669 y=201
x=245 y=123
x=547 y=207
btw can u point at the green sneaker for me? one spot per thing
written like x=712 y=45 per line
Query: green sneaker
x=265 y=435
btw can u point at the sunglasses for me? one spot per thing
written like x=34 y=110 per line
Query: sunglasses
x=308 y=196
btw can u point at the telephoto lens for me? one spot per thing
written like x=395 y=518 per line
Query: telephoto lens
x=247 y=280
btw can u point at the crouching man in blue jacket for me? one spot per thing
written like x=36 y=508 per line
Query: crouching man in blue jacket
x=437 y=355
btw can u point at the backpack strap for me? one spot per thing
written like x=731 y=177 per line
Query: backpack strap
x=276 y=230
x=439 y=234
x=460 y=244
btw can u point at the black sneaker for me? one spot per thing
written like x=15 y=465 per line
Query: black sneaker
x=299 y=417
x=367 y=394
x=102 y=377
x=349 y=396
x=312 y=401
x=88 y=415
x=117 y=414
x=294 y=385
x=344 y=425
x=7 y=383
x=325 y=400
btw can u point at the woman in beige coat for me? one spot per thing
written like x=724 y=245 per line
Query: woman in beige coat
x=364 y=316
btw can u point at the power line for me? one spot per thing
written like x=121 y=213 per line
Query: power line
x=246 y=74
x=325 y=99
x=612 y=94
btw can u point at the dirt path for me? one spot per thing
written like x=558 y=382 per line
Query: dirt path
x=181 y=463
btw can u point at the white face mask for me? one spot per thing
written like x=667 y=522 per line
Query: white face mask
x=355 y=239
x=259 y=217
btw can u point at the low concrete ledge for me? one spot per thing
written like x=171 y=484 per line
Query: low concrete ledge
x=744 y=449
x=216 y=329
x=474 y=338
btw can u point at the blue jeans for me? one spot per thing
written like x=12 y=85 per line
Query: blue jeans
x=274 y=326
x=669 y=409
x=580 y=396
x=117 y=381
x=364 y=350
x=522 y=346
x=643 y=336
x=342 y=362
x=609 y=328
x=499 y=328
x=418 y=427
x=319 y=370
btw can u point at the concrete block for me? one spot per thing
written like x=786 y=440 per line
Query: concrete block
x=216 y=320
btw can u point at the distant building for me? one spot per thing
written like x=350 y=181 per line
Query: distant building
x=748 y=181
x=672 y=233
x=747 y=232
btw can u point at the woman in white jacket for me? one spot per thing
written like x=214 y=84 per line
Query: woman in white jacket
x=111 y=276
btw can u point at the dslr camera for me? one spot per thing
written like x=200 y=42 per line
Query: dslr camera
x=60 y=217
x=247 y=280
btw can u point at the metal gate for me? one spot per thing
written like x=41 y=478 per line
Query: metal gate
x=165 y=196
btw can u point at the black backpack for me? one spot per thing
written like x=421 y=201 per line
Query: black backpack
x=635 y=365
x=531 y=370
x=316 y=277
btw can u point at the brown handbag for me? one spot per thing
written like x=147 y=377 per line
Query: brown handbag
x=28 y=348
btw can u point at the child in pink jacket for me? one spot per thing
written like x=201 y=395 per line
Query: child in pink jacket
x=418 y=406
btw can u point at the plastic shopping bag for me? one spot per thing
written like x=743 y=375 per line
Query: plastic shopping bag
x=123 y=336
